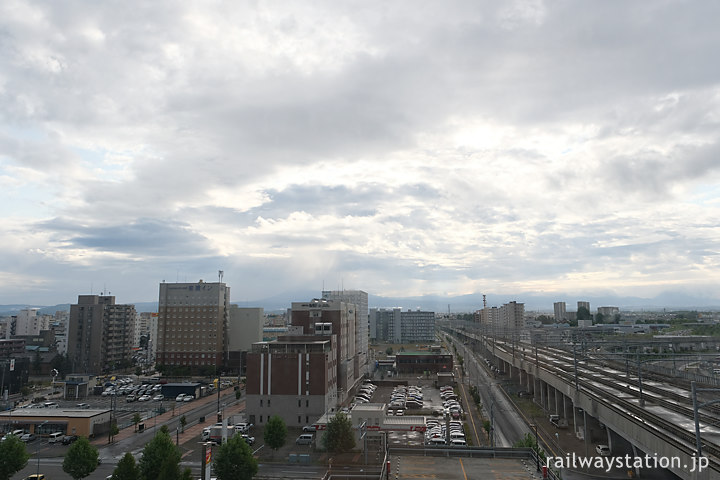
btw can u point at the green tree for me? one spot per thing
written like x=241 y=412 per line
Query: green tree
x=156 y=453
x=183 y=422
x=389 y=350
x=13 y=456
x=81 y=459
x=339 y=436
x=114 y=430
x=275 y=432
x=599 y=318
x=126 y=469
x=528 y=441
x=583 y=314
x=136 y=419
x=234 y=460
x=487 y=426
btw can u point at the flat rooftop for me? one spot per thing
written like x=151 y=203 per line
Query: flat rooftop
x=53 y=413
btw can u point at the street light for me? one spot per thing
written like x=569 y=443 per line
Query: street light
x=37 y=449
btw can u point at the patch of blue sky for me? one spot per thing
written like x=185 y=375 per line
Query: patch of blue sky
x=25 y=133
x=29 y=200
x=104 y=160
x=705 y=195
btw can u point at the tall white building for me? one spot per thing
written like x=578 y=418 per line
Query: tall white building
x=30 y=323
x=560 y=312
x=360 y=299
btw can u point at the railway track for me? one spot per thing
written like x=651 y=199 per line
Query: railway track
x=591 y=378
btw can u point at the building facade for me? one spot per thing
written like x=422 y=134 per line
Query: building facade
x=560 y=312
x=100 y=334
x=416 y=326
x=360 y=299
x=331 y=317
x=294 y=377
x=385 y=324
x=192 y=324
x=244 y=328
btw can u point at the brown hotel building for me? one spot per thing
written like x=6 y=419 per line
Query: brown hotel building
x=192 y=324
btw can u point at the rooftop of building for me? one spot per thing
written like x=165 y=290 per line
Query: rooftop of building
x=53 y=413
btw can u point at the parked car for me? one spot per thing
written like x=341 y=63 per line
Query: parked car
x=144 y=398
x=130 y=398
x=602 y=450
x=250 y=440
x=68 y=439
x=309 y=428
x=243 y=427
x=189 y=398
x=180 y=397
x=28 y=437
x=159 y=397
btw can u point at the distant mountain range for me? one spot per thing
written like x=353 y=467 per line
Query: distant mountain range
x=457 y=304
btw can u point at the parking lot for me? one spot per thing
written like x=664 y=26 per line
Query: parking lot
x=461 y=468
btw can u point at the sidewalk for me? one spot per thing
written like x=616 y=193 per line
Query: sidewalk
x=125 y=433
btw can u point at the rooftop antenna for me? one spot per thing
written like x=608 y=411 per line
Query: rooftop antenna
x=220 y=275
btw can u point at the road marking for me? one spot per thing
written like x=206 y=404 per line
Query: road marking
x=463 y=468
x=472 y=421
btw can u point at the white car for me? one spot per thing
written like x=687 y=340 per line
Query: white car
x=144 y=398
x=159 y=397
x=602 y=450
x=180 y=397
x=188 y=398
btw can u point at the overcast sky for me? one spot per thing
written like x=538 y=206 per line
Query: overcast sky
x=401 y=148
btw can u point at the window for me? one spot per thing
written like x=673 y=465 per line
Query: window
x=299 y=419
x=307 y=403
x=261 y=406
x=299 y=403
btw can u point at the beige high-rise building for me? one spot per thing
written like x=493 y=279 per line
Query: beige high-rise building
x=192 y=324
x=360 y=299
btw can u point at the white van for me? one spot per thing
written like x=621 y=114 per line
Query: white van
x=304 y=439
x=55 y=437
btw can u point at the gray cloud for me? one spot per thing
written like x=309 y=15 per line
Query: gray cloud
x=405 y=146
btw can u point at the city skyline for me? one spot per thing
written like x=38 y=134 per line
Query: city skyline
x=407 y=149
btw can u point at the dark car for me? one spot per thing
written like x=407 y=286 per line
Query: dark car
x=68 y=439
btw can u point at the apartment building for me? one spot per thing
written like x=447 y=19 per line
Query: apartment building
x=30 y=322
x=385 y=324
x=360 y=299
x=192 y=324
x=100 y=334
x=416 y=326
x=510 y=316
x=560 y=312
